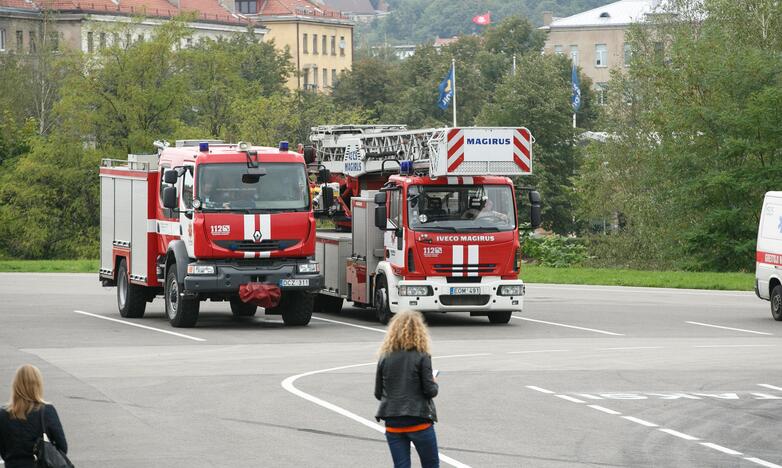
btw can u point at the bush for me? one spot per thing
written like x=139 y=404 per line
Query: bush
x=554 y=251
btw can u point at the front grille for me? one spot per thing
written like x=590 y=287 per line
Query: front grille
x=462 y=268
x=250 y=246
x=463 y=279
x=465 y=300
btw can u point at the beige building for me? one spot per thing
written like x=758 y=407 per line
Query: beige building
x=320 y=40
x=595 y=39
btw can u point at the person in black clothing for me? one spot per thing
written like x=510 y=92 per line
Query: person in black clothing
x=405 y=386
x=20 y=421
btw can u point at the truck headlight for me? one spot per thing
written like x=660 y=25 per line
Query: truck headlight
x=195 y=269
x=309 y=268
x=511 y=290
x=415 y=291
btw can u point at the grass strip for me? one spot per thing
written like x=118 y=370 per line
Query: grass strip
x=50 y=266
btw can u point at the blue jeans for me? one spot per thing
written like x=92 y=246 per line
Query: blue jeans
x=425 y=444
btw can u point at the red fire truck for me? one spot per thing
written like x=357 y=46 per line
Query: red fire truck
x=432 y=217
x=203 y=220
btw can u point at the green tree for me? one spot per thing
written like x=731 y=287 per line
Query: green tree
x=368 y=84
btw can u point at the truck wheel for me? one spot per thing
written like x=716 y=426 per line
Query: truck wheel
x=329 y=304
x=776 y=303
x=382 y=307
x=242 y=309
x=296 y=307
x=499 y=317
x=131 y=298
x=181 y=312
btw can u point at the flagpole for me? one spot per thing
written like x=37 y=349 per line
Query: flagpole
x=453 y=67
x=514 y=64
x=574 y=120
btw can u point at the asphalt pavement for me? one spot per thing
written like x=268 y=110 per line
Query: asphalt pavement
x=585 y=376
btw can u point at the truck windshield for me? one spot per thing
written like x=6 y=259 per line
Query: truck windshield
x=283 y=188
x=461 y=208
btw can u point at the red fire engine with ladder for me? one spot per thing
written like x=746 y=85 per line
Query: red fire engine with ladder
x=432 y=217
x=205 y=220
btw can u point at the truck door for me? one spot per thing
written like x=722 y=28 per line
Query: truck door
x=186 y=210
x=394 y=240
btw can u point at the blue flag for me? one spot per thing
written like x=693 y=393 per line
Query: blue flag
x=576 y=99
x=446 y=91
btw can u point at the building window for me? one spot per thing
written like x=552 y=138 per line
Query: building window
x=333 y=45
x=247 y=6
x=326 y=77
x=128 y=40
x=189 y=41
x=574 y=54
x=342 y=46
x=90 y=43
x=2 y=39
x=602 y=93
x=54 y=41
x=628 y=54
x=304 y=43
x=558 y=50
x=103 y=40
x=32 y=42
x=19 y=41
x=305 y=74
x=601 y=55
x=324 y=45
x=315 y=77
x=315 y=44
x=333 y=77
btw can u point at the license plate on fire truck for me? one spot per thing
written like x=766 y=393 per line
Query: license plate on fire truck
x=464 y=291
x=287 y=283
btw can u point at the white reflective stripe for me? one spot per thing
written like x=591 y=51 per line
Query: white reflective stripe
x=168 y=228
x=467 y=180
x=266 y=226
x=457 y=259
x=249 y=226
x=453 y=180
x=151 y=225
x=249 y=255
x=472 y=255
x=264 y=254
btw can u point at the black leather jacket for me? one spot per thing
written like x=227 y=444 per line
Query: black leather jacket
x=405 y=386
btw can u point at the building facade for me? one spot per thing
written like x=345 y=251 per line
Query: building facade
x=26 y=26
x=320 y=40
x=595 y=39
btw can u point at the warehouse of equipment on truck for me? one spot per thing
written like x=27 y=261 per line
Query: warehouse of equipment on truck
x=431 y=215
x=204 y=220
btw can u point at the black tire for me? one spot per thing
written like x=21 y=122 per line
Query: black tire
x=242 y=309
x=500 y=317
x=329 y=304
x=776 y=303
x=131 y=298
x=382 y=307
x=182 y=313
x=295 y=307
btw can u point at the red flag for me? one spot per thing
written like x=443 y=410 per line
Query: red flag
x=483 y=19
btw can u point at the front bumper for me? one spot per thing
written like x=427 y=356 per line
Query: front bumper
x=230 y=275
x=443 y=301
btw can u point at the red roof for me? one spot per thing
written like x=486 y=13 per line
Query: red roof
x=208 y=10
x=444 y=41
x=296 y=7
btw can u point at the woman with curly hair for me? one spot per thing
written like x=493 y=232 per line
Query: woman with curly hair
x=405 y=386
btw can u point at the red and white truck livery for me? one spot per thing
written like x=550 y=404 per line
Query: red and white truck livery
x=209 y=221
x=439 y=234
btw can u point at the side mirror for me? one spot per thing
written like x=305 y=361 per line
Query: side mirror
x=381 y=222
x=323 y=176
x=326 y=197
x=170 y=199
x=380 y=198
x=309 y=154
x=534 y=209
x=170 y=176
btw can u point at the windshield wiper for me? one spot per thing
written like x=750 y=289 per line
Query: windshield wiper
x=482 y=228
x=438 y=228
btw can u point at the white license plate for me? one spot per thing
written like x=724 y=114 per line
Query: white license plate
x=294 y=282
x=463 y=291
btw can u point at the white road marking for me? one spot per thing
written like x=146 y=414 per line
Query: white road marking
x=604 y=409
x=138 y=325
x=538 y=389
x=461 y=355
x=678 y=434
x=630 y=347
x=539 y=351
x=568 y=326
x=736 y=346
x=569 y=398
x=772 y=387
x=642 y=422
x=380 y=330
x=762 y=462
x=288 y=384
x=721 y=448
x=728 y=328
x=634 y=289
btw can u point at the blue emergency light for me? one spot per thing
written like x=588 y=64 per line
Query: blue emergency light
x=203 y=146
x=283 y=145
x=405 y=167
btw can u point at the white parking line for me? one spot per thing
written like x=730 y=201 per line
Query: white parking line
x=288 y=384
x=721 y=448
x=569 y=398
x=380 y=330
x=772 y=387
x=736 y=346
x=567 y=326
x=604 y=409
x=728 y=328
x=538 y=389
x=138 y=325
x=678 y=434
x=642 y=422
x=762 y=462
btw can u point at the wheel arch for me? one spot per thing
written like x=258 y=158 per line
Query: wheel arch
x=177 y=253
